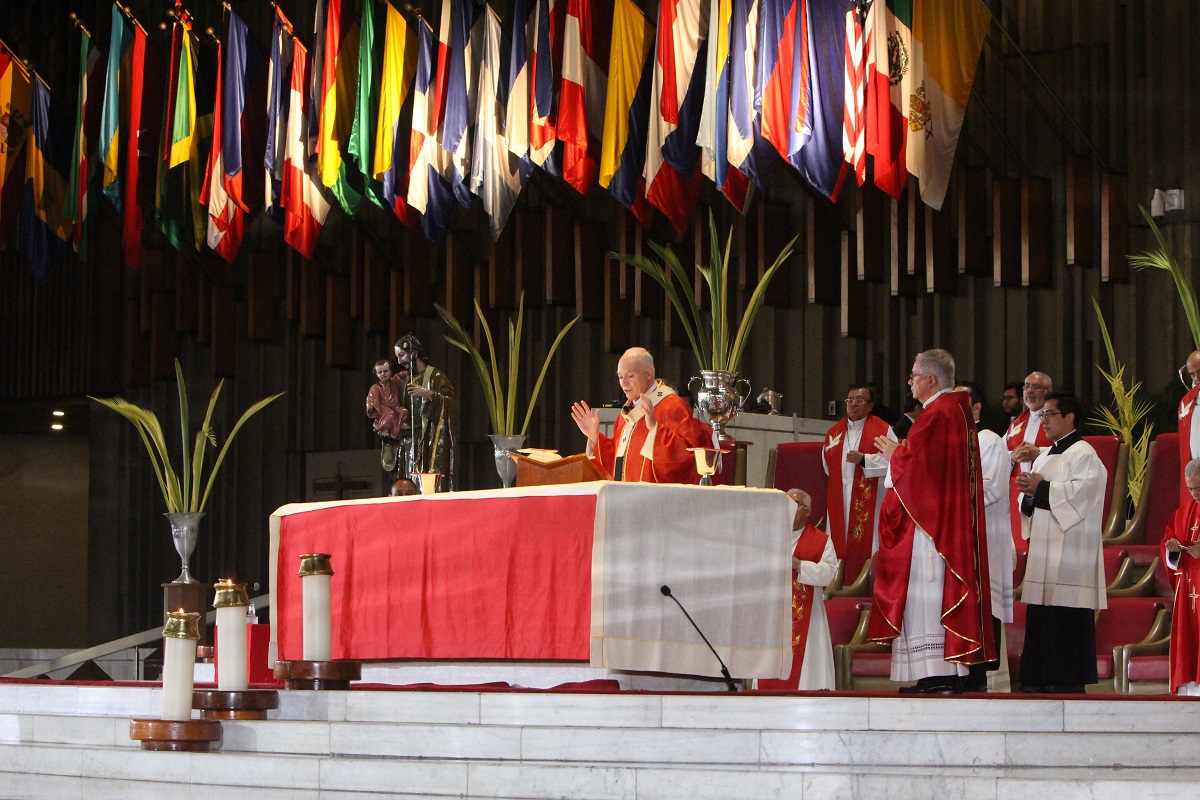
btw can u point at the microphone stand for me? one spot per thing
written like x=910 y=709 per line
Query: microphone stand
x=666 y=590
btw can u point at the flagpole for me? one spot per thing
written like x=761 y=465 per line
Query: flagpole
x=128 y=12
x=76 y=22
x=25 y=65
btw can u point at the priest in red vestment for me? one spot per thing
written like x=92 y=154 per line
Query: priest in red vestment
x=1181 y=554
x=1189 y=421
x=653 y=432
x=815 y=565
x=932 y=598
x=1025 y=439
x=854 y=467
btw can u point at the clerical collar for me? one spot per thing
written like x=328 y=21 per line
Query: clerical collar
x=1036 y=414
x=853 y=425
x=1068 y=440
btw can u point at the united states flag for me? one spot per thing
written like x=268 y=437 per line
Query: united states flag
x=859 y=30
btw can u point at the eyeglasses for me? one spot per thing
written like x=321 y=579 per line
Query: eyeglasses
x=854 y=401
x=912 y=376
x=1051 y=413
x=1187 y=377
x=1037 y=387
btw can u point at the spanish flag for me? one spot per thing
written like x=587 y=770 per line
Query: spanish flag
x=16 y=95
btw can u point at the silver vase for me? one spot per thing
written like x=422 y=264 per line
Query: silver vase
x=504 y=447
x=719 y=399
x=184 y=529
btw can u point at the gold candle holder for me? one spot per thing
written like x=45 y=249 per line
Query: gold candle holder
x=182 y=625
x=314 y=564
x=230 y=595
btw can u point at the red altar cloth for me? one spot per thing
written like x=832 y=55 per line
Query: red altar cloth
x=509 y=577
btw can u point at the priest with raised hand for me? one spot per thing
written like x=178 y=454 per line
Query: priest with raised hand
x=1181 y=554
x=653 y=432
x=931 y=567
x=815 y=565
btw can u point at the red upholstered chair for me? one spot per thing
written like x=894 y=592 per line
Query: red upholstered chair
x=1146 y=666
x=1160 y=494
x=798 y=466
x=861 y=664
x=733 y=466
x=1137 y=566
x=1127 y=620
x=1114 y=454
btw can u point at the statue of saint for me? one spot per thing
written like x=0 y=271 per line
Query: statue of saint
x=433 y=414
x=385 y=407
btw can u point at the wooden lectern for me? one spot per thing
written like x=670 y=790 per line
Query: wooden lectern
x=572 y=469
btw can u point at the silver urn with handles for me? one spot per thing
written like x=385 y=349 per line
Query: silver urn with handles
x=720 y=396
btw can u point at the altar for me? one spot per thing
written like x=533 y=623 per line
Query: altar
x=570 y=574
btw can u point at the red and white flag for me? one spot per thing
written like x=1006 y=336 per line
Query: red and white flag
x=304 y=205
x=859 y=31
x=587 y=42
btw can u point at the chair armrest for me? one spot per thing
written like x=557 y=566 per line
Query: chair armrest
x=835 y=586
x=861 y=586
x=1141 y=587
x=1124 y=576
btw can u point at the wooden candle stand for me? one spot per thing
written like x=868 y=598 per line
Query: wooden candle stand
x=318 y=675
x=243 y=704
x=193 y=735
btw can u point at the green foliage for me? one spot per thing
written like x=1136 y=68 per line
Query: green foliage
x=1126 y=416
x=1162 y=259
x=708 y=333
x=501 y=395
x=182 y=495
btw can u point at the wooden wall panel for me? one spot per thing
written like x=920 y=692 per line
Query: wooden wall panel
x=151 y=279
x=559 y=250
x=292 y=292
x=1037 y=250
x=1006 y=232
x=1080 y=212
x=418 y=275
x=649 y=299
x=941 y=267
x=312 y=298
x=853 y=316
x=223 y=353
x=338 y=321
x=971 y=210
x=260 y=298
x=590 y=264
x=376 y=283
x=358 y=247
x=873 y=244
x=502 y=270
x=137 y=344
x=459 y=275
x=903 y=282
x=187 y=284
x=164 y=342
x=618 y=317
x=823 y=239
x=1114 y=227
x=530 y=257
x=915 y=258
x=774 y=231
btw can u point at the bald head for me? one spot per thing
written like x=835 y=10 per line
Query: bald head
x=635 y=373
x=1193 y=367
x=804 y=508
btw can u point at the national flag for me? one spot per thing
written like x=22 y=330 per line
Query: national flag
x=115 y=111
x=338 y=80
x=391 y=162
x=428 y=192
x=87 y=129
x=782 y=63
x=750 y=156
x=627 y=109
x=458 y=93
x=496 y=174
x=820 y=161
x=859 y=32
x=545 y=74
x=226 y=221
x=366 y=103
x=587 y=42
x=947 y=39
x=676 y=97
x=516 y=91
x=890 y=82
x=304 y=206
x=714 y=116
x=45 y=229
x=146 y=85
x=279 y=83
x=243 y=133
x=16 y=108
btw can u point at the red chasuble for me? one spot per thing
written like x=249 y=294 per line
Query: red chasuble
x=810 y=548
x=938 y=485
x=853 y=546
x=1186 y=407
x=677 y=431
x=1013 y=438
x=1185 y=621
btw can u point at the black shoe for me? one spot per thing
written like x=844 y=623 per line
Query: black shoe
x=942 y=684
x=975 y=683
x=1063 y=688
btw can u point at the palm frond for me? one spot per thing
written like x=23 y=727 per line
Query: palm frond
x=1162 y=259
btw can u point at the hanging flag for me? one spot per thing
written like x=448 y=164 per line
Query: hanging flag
x=226 y=221
x=714 y=115
x=820 y=161
x=243 y=134
x=16 y=108
x=545 y=72
x=676 y=98
x=858 y=54
x=890 y=83
x=428 y=192
x=45 y=229
x=515 y=92
x=627 y=109
x=147 y=80
x=947 y=39
x=116 y=83
x=391 y=163
x=366 y=105
x=750 y=156
x=279 y=82
x=496 y=174
x=458 y=93
x=87 y=129
x=781 y=71
x=587 y=42
x=338 y=79
x=304 y=206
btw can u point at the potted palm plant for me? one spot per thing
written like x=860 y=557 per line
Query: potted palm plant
x=499 y=389
x=718 y=354
x=185 y=492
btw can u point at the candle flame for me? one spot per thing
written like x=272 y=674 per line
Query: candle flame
x=180 y=611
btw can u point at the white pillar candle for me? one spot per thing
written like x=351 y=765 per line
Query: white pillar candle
x=317 y=620
x=179 y=664
x=231 y=649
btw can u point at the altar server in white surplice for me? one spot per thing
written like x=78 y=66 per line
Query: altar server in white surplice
x=1062 y=516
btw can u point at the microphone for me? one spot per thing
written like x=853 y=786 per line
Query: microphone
x=666 y=590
